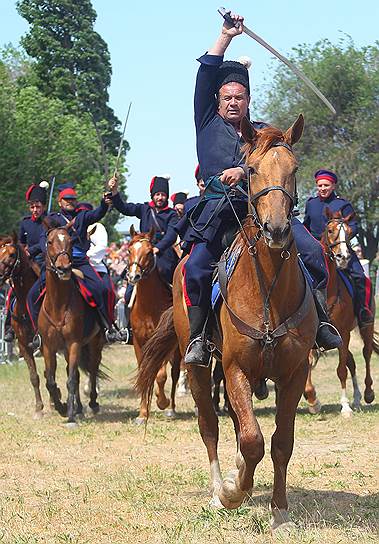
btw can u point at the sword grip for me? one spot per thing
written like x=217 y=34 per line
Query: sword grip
x=226 y=15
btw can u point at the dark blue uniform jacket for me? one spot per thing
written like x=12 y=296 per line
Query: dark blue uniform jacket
x=165 y=219
x=315 y=218
x=218 y=148
x=29 y=235
x=78 y=232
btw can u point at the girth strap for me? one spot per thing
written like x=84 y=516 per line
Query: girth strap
x=244 y=328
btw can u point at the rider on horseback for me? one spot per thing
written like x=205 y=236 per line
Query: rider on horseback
x=30 y=231
x=315 y=220
x=99 y=289
x=222 y=97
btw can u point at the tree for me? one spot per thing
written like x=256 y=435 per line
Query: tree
x=346 y=143
x=72 y=62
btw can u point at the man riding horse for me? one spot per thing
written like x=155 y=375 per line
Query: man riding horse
x=315 y=220
x=30 y=231
x=222 y=97
x=92 y=285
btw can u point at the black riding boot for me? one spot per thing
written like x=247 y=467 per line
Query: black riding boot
x=8 y=331
x=197 y=352
x=328 y=336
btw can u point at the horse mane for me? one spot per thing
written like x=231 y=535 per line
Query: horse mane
x=266 y=138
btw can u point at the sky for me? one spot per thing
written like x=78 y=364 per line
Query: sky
x=154 y=46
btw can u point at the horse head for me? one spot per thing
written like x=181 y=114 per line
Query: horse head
x=10 y=257
x=58 y=249
x=141 y=259
x=337 y=236
x=272 y=183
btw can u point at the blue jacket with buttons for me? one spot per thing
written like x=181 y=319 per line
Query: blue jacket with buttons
x=315 y=218
x=29 y=235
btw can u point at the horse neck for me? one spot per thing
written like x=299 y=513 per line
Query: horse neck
x=58 y=294
x=288 y=291
x=25 y=278
x=150 y=289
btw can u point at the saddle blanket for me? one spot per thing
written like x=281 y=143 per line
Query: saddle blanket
x=232 y=257
x=347 y=282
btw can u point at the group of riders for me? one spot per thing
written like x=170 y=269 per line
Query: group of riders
x=202 y=222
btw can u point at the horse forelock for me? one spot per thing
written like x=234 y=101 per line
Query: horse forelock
x=139 y=237
x=266 y=138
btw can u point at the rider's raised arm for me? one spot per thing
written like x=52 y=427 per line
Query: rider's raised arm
x=205 y=101
x=89 y=217
x=127 y=208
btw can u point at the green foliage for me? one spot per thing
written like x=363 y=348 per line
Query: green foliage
x=347 y=143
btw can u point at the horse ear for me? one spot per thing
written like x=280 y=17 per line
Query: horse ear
x=151 y=232
x=249 y=133
x=14 y=237
x=132 y=231
x=349 y=217
x=293 y=134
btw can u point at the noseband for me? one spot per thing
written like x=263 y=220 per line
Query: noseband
x=8 y=274
x=144 y=271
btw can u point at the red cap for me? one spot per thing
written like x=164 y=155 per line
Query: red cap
x=68 y=193
x=28 y=192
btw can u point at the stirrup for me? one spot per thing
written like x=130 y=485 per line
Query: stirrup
x=36 y=343
x=199 y=352
x=335 y=340
x=111 y=335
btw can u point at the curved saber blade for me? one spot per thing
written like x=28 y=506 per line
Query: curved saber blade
x=226 y=15
x=122 y=141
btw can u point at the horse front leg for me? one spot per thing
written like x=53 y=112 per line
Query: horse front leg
x=357 y=396
x=175 y=372
x=346 y=411
x=94 y=349
x=237 y=485
x=314 y=405
x=50 y=358
x=72 y=380
x=367 y=334
x=200 y=383
x=288 y=396
x=27 y=354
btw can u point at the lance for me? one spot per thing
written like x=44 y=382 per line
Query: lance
x=121 y=142
x=226 y=15
x=51 y=194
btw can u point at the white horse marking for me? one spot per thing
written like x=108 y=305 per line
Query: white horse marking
x=61 y=237
x=343 y=242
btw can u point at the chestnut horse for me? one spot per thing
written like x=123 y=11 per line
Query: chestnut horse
x=66 y=323
x=17 y=268
x=152 y=298
x=268 y=322
x=336 y=241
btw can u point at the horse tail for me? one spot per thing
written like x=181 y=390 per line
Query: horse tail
x=85 y=364
x=156 y=351
x=375 y=342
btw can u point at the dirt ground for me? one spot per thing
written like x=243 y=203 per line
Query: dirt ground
x=108 y=482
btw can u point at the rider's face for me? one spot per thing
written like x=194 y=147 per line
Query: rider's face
x=68 y=204
x=325 y=187
x=36 y=209
x=233 y=102
x=160 y=200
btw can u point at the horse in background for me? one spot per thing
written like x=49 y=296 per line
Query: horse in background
x=21 y=273
x=267 y=287
x=152 y=298
x=66 y=323
x=336 y=241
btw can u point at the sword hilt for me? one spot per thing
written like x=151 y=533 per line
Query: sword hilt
x=227 y=17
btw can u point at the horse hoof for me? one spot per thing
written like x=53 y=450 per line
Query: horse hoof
x=215 y=503
x=369 y=396
x=71 y=425
x=285 y=529
x=38 y=415
x=163 y=404
x=139 y=421
x=95 y=409
x=315 y=408
x=346 y=412
x=79 y=416
x=280 y=523
x=170 y=414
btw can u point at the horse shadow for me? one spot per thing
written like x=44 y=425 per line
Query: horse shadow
x=332 y=409
x=317 y=508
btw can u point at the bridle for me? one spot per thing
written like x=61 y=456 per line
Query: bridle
x=331 y=245
x=253 y=198
x=144 y=271
x=11 y=269
x=51 y=266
